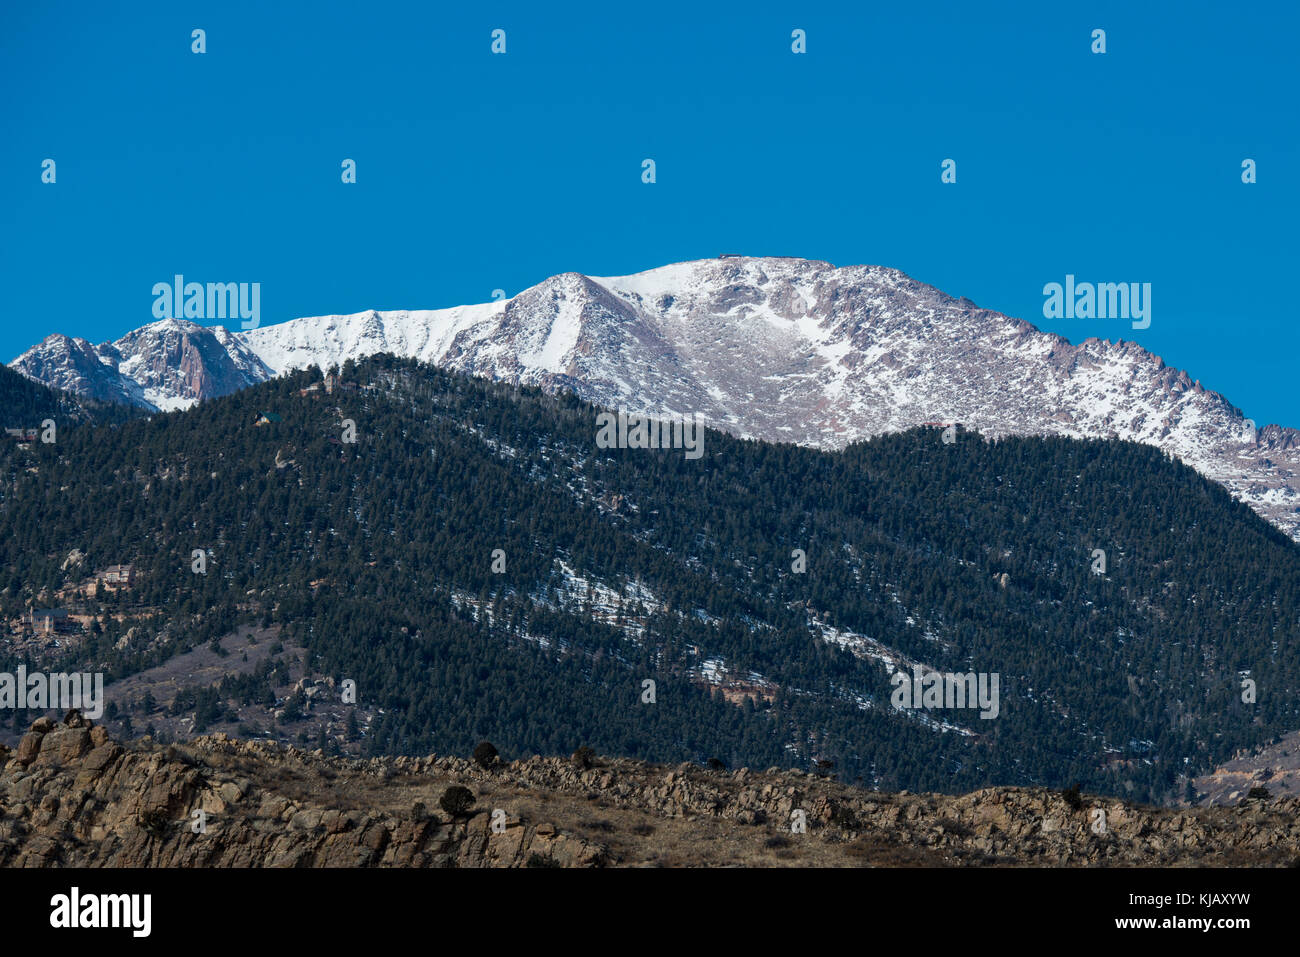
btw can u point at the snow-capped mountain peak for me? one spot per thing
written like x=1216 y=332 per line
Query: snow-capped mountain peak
x=168 y=364
x=781 y=349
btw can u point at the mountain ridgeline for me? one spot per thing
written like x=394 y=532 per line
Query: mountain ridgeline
x=773 y=348
x=481 y=569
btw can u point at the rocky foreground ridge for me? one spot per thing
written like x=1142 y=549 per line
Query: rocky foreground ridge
x=71 y=796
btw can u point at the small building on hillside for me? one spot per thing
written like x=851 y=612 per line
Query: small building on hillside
x=334 y=383
x=50 y=620
x=120 y=575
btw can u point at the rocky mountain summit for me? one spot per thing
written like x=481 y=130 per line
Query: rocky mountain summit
x=69 y=795
x=165 y=365
x=779 y=349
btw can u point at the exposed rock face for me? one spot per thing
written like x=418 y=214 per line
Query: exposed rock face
x=70 y=796
x=164 y=365
x=1275 y=767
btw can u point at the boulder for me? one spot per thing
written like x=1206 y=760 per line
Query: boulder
x=29 y=747
x=64 y=745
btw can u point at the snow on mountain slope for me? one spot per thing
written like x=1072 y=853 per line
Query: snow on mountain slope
x=166 y=365
x=772 y=348
x=327 y=340
x=76 y=366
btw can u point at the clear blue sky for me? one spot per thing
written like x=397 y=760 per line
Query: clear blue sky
x=478 y=171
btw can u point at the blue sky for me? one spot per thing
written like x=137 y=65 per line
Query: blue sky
x=478 y=172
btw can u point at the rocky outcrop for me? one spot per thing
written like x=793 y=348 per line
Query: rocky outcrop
x=1273 y=767
x=165 y=365
x=71 y=796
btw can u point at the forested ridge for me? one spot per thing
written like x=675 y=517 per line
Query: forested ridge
x=26 y=404
x=377 y=556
